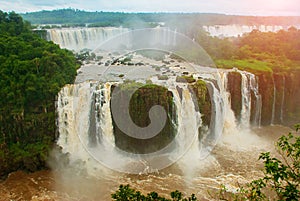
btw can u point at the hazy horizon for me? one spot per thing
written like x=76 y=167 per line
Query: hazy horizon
x=229 y=7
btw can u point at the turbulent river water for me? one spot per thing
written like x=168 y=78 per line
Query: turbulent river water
x=233 y=162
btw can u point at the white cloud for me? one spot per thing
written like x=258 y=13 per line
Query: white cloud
x=254 y=7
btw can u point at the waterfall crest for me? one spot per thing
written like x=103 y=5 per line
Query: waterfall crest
x=82 y=38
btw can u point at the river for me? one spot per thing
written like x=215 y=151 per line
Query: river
x=233 y=162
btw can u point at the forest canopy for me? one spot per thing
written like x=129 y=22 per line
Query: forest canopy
x=32 y=72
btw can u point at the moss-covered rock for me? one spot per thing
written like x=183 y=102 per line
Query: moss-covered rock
x=185 y=79
x=199 y=89
x=141 y=102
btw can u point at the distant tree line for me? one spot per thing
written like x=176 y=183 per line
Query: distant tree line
x=75 y=16
x=273 y=51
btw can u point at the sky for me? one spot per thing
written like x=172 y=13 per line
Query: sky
x=238 y=7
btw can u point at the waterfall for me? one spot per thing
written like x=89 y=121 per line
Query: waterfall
x=249 y=86
x=282 y=100
x=86 y=125
x=246 y=101
x=103 y=115
x=82 y=38
x=189 y=120
x=230 y=121
x=258 y=100
x=274 y=102
x=235 y=30
x=73 y=108
x=218 y=113
x=78 y=39
x=86 y=128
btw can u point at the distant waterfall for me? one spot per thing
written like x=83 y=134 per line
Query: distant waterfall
x=91 y=38
x=236 y=30
x=82 y=38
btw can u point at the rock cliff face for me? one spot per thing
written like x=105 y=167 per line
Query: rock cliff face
x=234 y=88
x=280 y=94
x=200 y=90
x=289 y=109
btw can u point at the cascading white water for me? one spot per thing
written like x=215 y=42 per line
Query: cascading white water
x=283 y=99
x=188 y=123
x=78 y=103
x=258 y=100
x=274 y=102
x=246 y=101
x=78 y=39
x=218 y=112
x=230 y=121
x=86 y=128
x=82 y=38
x=73 y=108
x=250 y=85
x=235 y=30
x=103 y=115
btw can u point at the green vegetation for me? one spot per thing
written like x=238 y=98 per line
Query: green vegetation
x=256 y=51
x=32 y=72
x=200 y=90
x=185 y=79
x=145 y=96
x=248 y=65
x=162 y=77
x=125 y=193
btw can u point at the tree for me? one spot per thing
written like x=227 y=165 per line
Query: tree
x=32 y=72
x=281 y=176
x=125 y=193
